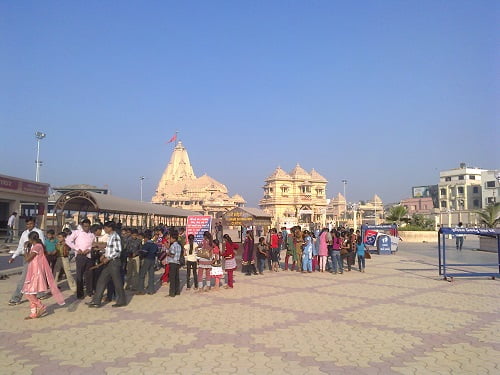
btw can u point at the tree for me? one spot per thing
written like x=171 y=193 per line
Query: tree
x=397 y=213
x=422 y=222
x=490 y=216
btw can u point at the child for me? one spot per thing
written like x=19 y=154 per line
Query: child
x=190 y=251
x=230 y=260
x=262 y=254
x=360 y=251
x=307 y=253
x=50 y=248
x=216 y=270
x=38 y=275
x=63 y=262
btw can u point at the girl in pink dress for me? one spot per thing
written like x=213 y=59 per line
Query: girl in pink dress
x=38 y=277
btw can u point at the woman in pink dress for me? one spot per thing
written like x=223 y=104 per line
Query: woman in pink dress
x=39 y=277
x=324 y=241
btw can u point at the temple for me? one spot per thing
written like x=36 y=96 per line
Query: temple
x=298 y=197
x=179 y=187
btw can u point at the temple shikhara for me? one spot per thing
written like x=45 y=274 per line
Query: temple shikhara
x=179 y=187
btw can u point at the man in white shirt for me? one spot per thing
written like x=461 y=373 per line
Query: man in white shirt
x=15 y=299
x=10 y=227
x=459 y=238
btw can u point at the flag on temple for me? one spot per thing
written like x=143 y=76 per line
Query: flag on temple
x=173 y=139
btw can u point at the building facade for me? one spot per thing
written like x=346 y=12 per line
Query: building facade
x=490 y=187
x=179 y=187
x=298 y=197
x=26 y=197
x=460 y=195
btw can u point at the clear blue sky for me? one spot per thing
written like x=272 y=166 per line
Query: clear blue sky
x=384 y=94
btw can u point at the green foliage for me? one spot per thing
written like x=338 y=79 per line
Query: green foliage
x=396 y=214
x=490 y=216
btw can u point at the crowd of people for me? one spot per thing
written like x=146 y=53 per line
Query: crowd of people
x=111 y=260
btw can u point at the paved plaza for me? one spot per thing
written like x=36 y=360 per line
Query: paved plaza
x=397 y=318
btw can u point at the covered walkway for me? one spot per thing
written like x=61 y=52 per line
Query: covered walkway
x=105 y=207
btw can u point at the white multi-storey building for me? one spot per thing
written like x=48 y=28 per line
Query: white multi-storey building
x=460 y=195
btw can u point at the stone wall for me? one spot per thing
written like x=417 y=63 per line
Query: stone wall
x=418 y=236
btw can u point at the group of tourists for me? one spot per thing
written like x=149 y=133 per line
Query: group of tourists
x=310 y=251
x=111 y=260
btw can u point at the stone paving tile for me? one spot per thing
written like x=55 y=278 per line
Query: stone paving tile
x=243 y=319
x=489 y=333
x=414 y=318
x=370 y=291
x=397 y=318
x=310 y=303
x=409 y=281
x=215 y=359
x=481 y=287
x=102 y=342
x=338 y=342
x=454 y=359
x=11 y=363
x=460 y=302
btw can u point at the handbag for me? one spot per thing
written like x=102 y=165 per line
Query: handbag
x=343 y=251
x=368 y=255
x=216 y=263
x=204 y=253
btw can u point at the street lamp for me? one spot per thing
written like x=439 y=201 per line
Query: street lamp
x=345 y=200
x=39 y=136
x=141 y=179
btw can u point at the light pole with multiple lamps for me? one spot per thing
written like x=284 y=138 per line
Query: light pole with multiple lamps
x=39 y=136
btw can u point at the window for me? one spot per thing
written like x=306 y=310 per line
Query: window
x=490 y=184
x=447 y=178
x=472 y=177
x=443 y=191
x=461 y=177
x=443 y=204
x=490 y=200
x=475 y=189
x=460 y=190
x=476 y=203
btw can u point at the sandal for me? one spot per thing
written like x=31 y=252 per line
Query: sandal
x=31 y=317
x=41 y=312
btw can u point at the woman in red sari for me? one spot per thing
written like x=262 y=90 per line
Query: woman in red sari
x=39 y=277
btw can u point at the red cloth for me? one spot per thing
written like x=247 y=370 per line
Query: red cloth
x=164 y=277
x=229 y=250
x=274 y=241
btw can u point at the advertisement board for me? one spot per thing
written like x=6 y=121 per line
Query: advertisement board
x=421 y=191
x=197 y=225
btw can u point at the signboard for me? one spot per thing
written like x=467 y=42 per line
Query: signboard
x=421 y=191
x=370 y=237
x=197 y=225
x=384 y=244
x=22 y=186
x=238 y=218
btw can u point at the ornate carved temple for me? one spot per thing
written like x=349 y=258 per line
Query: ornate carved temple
x=179 y=187
x=298 y=197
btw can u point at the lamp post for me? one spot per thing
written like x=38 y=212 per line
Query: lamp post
x=39 y=136
x=141 y=180
x=345 y=200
